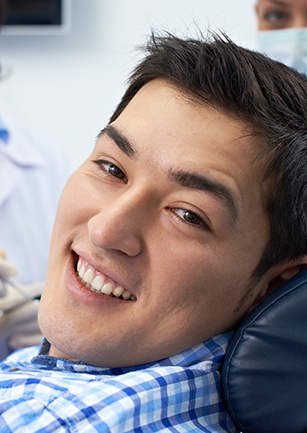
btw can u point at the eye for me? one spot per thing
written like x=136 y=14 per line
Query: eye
x=275 y=16
x=190 y=217
x=112 y=169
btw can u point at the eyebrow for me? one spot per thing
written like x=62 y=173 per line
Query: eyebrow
x=183 y=178
x=202 y=183
x=278 y=2
x=119 y=139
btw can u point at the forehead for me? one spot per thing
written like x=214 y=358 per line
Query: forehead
x=289 y=4
x=162 y=115
x=170 y=132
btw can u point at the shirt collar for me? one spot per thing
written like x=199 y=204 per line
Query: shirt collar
x=212 y=349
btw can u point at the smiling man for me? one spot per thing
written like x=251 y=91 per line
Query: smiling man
x=189 y=211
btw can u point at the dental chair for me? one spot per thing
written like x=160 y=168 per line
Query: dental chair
x=264 y=375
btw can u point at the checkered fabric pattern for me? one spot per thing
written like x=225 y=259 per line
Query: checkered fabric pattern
x=178 y=394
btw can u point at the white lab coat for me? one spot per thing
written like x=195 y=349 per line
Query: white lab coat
x=32 y=176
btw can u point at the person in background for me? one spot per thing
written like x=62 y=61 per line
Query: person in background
x=190 y=210
x=32 y=176
x=282 y=31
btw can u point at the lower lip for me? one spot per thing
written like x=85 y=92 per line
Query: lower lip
x=84 y=295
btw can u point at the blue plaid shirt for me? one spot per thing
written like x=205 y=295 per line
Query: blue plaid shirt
x=178 y=394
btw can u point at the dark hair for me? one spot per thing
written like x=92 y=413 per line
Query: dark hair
x=268 y=96
x=3 y=11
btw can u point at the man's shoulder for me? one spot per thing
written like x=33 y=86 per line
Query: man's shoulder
x=19 y=358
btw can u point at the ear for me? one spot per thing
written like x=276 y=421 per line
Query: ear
x=286 y=271
x=278 y=275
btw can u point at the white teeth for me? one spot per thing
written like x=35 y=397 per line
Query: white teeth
x=126 y=295
x=88 y=276
x=78 y=266
x=81 y=271
x=118 y=291
x=107 y=289
x=98 y=283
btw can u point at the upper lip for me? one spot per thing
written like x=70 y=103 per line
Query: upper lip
x=96 y=264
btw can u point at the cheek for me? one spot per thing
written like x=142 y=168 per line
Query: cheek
x=193 y=305
x=202 y=280
x=75 y=205
x=187 y=276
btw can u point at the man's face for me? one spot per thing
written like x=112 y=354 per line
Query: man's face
x=281 y=14
x=166 y=213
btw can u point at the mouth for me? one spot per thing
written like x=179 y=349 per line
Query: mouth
x=99 y=283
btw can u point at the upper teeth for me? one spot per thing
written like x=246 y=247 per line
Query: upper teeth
x=99 y=283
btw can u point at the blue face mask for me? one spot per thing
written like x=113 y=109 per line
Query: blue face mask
x=288 y=46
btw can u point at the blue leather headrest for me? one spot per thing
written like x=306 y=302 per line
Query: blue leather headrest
x=264 y=376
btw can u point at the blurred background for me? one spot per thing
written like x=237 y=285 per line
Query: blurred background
x=65 y=85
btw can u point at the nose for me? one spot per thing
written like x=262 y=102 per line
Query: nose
x=121 y=222
x=300 y=20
